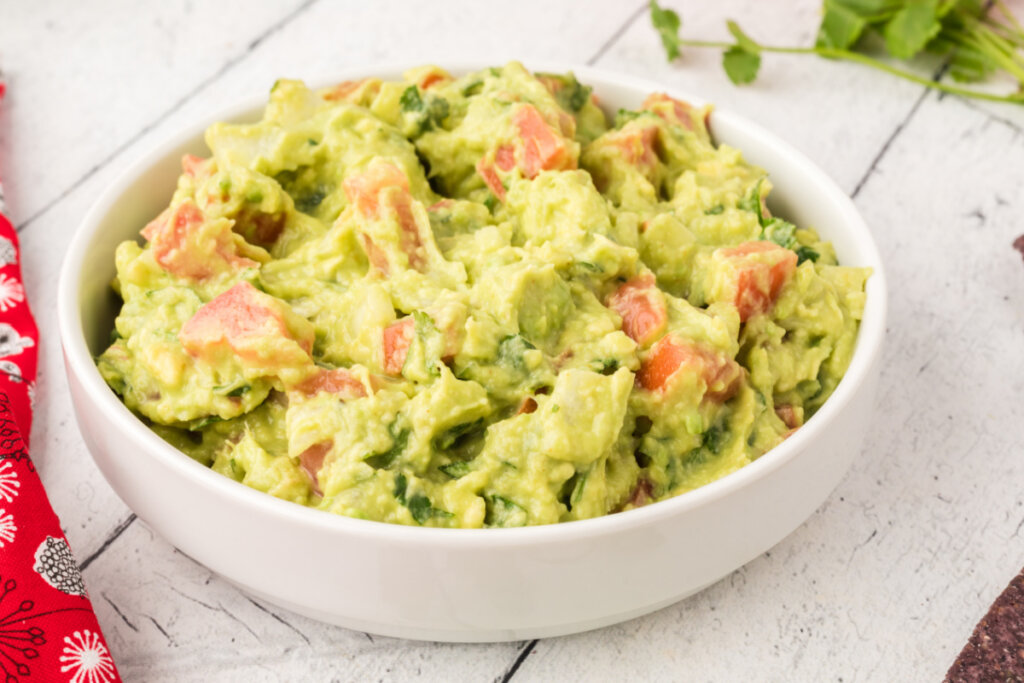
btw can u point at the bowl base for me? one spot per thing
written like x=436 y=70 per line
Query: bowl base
x=467 y=634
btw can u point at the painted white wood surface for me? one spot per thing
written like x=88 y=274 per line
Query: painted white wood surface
x=884 y=582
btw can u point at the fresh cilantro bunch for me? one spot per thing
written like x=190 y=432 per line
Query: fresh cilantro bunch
x=978 y=39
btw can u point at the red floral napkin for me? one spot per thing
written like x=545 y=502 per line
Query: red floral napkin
x=48 y=631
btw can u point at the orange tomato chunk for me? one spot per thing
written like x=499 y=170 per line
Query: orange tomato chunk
x=338 y=381
x=350 y=91
x=642 y=307
x=637 y=146
x=397 y=338
x=382 y=190
x=670 y=109
x=721 y=374
x=756 y=274
x=196 y=166
x=241 y=320
x=312 y=459
x=185 y=244
x=491 y=179
x=543 y=149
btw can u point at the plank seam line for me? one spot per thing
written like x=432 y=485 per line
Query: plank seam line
x=896 y=132
x=614 y=38
x=1012 y=125
x=523 y=654
x=114 y=535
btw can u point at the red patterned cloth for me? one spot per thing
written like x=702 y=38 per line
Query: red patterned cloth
x=48 y=631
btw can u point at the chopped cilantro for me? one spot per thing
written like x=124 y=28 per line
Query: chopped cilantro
x=384 y=459
x=804 y=253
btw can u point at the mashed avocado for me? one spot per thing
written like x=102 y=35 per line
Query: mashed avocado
x=475 y=301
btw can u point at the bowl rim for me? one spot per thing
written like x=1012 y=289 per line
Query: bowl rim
x=79 y=361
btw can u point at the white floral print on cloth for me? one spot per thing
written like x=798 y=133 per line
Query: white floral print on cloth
x=86 y=658
x=8 y=528
x=11 y=293
x=9 y=483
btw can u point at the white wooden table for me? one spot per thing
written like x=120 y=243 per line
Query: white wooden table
x=884 y=582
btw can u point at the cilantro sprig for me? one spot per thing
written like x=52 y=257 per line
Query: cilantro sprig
x=978 y=38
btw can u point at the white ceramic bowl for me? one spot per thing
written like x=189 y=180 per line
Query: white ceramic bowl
x=467 y=585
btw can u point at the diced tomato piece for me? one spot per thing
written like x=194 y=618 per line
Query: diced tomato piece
x=638 y=146
x=384 y=188
x=397 y=338
x=539 y=148
x=505 y=157
x=491 y=179
x=378 y=259
x=721 y=374
x=338 y=381
x=758 y=272
x=349 y=91
x=554 y=84
x=789 y=415
x=672 y=110
x=642 y=307
x=237 y=319
x=410 y=242
x=180 y=247
x=441 y=205
x=543 y=149
x=179 y=220
x=433 y=77
x=311 y=461
x=196 y=166
x=342 y=90
x=566 y=122
x=364 y=189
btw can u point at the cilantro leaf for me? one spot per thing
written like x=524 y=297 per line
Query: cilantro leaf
x=420 y=508
x=666 y=22
x=401 y=486
x=410 y=101
x=804 y=253
x=840 y=27
x=455 y=469
x=911 y=28
x=741 y=66
x=872 y=10
x=782 y=233
x=385 y=458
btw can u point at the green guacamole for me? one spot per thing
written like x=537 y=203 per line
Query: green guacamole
x=475 y=302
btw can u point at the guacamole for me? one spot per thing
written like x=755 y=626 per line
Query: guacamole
x=475 y=302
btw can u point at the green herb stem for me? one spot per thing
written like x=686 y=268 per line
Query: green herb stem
x=846 y=55
x=993 y=47
x=1007 y=33
x=1004 y=52
x=1017 y=98
x=1010 y=17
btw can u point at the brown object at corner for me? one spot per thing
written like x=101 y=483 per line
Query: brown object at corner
x=995 y=651
x=1018 y=244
